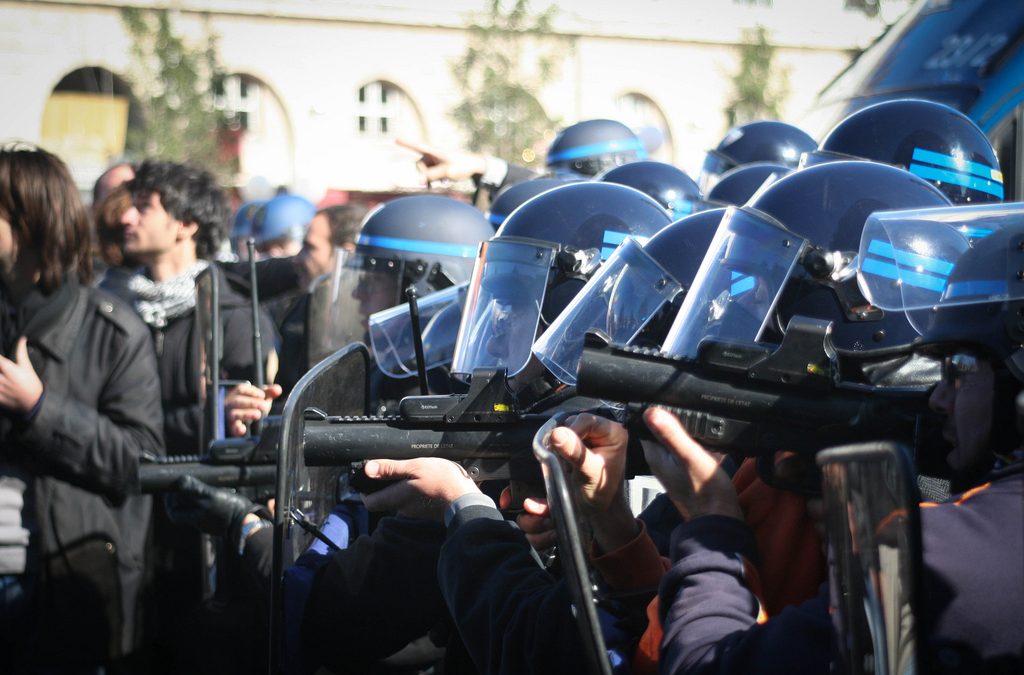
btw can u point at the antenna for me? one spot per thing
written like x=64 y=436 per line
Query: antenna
x=257 y=340
x=417 y=339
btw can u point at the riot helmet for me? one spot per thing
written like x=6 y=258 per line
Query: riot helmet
x=955 y=271
x=633 y=297
x=958 y=273
x=244 y=216
x=738 y=185
x=283 y=219
x=664 y=183
x=510 y=197
x=587 y=148
x=537 y=261
x=928 y=139
x=760 y=141
x=792 y=251
x=427 y=242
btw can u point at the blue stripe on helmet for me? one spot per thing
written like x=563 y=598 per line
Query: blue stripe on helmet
x=741 y=284
x=612 y=240
x=964 y=180
x=973 y=182
x=985 y=288
x=908 y=259
x=890 y=271
x=614 y=237
x=959 y=165
x=603 y=148
x=974 y=232
x=496 y=219
x=419 y=246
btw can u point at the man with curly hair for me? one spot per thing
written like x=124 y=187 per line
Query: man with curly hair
x=177 y=221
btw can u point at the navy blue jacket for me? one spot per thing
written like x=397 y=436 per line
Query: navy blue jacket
x=974 y=593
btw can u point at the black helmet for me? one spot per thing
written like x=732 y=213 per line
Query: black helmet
x=425 y=241
x=538 y=260
x=664 y=183
x=761 y=141
x=510 y=197
x=633 y=297
x=929 y=139
x=789 y=252
x=738 y=185
x=592 y=146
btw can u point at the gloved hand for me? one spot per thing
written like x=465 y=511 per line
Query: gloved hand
x=213 y=510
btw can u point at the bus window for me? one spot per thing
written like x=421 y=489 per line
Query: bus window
x=1008 y=142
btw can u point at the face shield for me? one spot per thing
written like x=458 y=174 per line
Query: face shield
x=918 y=260
x=619 y=299
x=360 y=285
x=391 y=332
x=503 y=306
x=737 y=286
x=816 y=157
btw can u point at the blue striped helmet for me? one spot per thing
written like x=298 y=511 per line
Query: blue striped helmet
x=589 y=147
x=931 y=140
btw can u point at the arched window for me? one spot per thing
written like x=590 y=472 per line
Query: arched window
x=645 y=117
x=383 y=110
x=86 y=120
x=258 y=133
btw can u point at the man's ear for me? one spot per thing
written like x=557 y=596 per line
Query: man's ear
x=188 y=231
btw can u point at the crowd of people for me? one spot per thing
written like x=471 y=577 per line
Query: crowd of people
x=108 y=366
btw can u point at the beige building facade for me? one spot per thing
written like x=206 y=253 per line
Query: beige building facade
x=327 y=85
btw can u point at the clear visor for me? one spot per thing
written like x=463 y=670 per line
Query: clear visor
x=503 y=304
x=715 y=164
x=391 y=334
x=360 y=286
x=920 y=259
x=738 y=283
x=619 y=300
x=816 y=157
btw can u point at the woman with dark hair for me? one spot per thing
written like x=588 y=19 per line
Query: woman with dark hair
x=79 y=405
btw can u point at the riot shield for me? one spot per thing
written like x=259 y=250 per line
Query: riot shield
x=342 y=301
x=318 y=341
x=561 y=500
x=210 y=338
x=337 y=385
x=874 y=546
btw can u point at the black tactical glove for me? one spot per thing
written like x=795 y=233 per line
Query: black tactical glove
x=213 y=510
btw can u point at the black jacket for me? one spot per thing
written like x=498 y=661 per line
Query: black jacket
x=100 y=412
x=177 y=350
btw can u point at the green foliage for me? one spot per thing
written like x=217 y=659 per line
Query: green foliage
x=510 y=53
x=175 y=85
x=756 y=94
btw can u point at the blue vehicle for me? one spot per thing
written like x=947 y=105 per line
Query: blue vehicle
x=968 y=54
